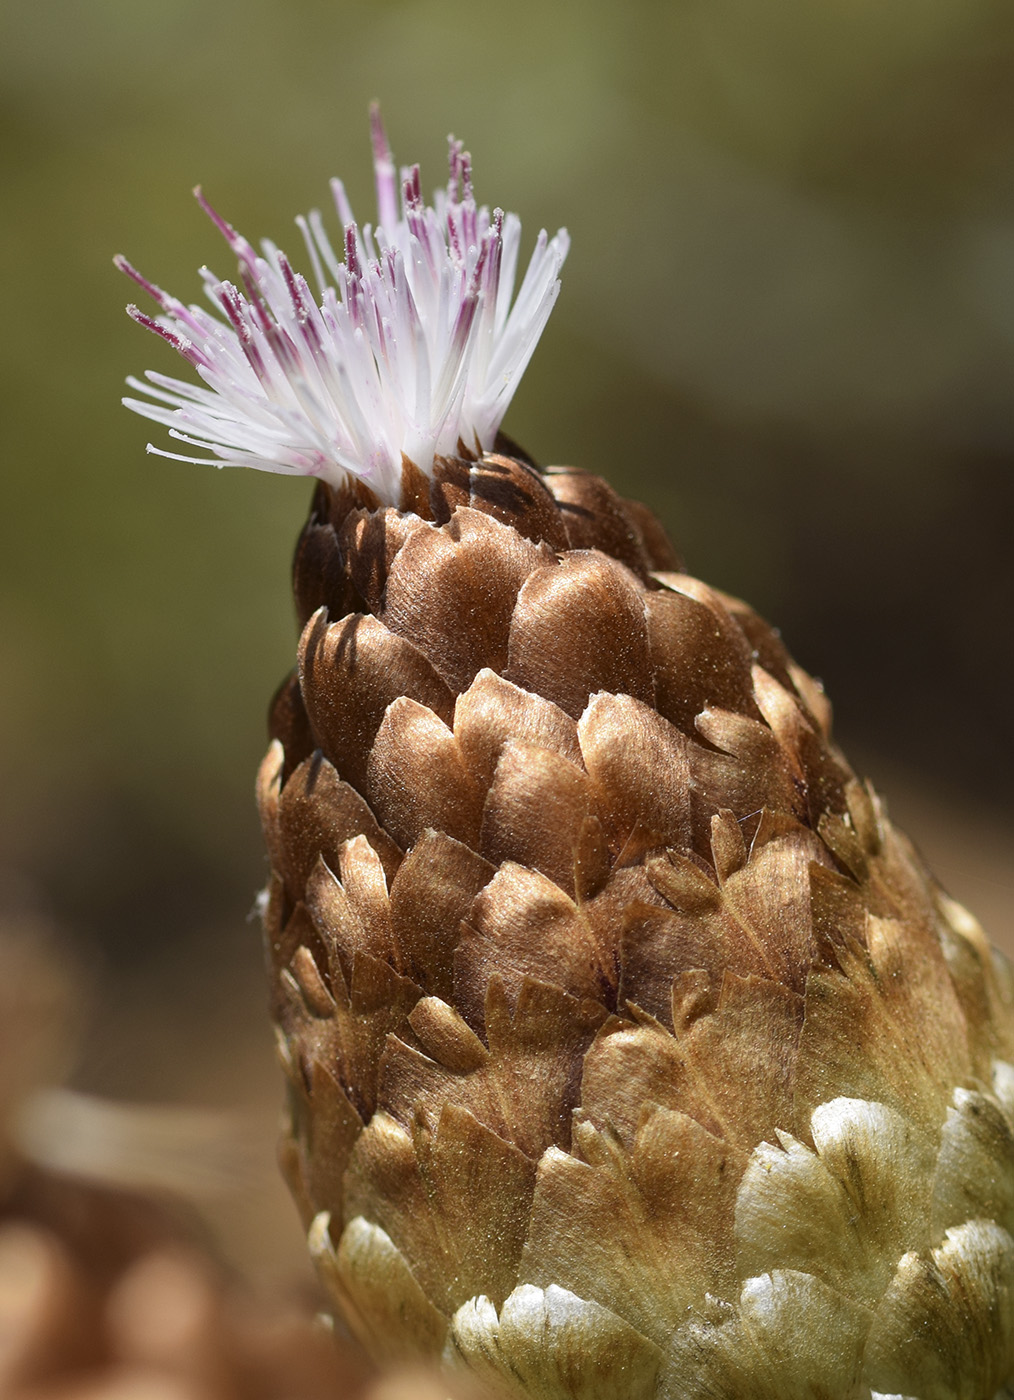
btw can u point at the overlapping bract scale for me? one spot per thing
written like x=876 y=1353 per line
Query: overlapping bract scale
x=631 y=1050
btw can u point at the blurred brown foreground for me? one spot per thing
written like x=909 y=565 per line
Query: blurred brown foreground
x=115 y=1281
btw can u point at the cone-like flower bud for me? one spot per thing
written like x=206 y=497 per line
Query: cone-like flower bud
x=631 y=1051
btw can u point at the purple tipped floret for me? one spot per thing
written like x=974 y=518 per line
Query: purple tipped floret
x=413 y=347
x=384 y=171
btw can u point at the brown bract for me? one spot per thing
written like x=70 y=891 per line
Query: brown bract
x=574 y=906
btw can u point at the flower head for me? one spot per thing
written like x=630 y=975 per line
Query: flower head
x=413 y=344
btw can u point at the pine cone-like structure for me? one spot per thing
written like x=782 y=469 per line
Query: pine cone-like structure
x=631 y=1051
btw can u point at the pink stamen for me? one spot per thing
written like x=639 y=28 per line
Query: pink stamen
x=479 y=269
x=179 y=343
x=463 y=323
x=156 y=293
x=469 y=224
x=385 y=174
x=235 y=308
x=411 y=188
x=258 y=307
x=493 y=243
x=302 y=302
x=243 y=250
x=456 y=158
x=453 y=237
x=284 y=350
x=416 y=219
x=352 y=253
x=169 y=304
x=354 y=302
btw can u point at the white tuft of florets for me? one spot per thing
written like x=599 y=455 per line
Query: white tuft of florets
x=413 y=344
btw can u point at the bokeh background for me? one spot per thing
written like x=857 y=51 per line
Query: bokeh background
x=787 y=323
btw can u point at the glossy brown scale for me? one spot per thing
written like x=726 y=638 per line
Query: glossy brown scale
x=570 y=883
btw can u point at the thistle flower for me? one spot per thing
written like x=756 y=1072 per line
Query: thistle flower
x=413 y=346
x=631 y=1051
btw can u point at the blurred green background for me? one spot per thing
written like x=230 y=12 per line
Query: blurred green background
x=787 y=322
